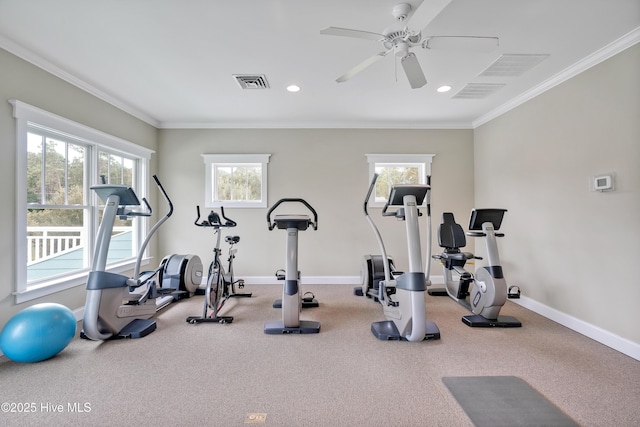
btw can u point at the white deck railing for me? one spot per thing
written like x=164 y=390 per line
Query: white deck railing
x=47 y=242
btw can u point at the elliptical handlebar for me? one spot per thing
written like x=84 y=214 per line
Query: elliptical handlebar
x=314 y=223
x=149 y=211
x=371 y=187
x=164 y=194
x=155 y=227
x=213 y=220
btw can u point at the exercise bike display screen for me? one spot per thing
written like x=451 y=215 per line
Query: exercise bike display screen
x=480 y=216
x=398 y=192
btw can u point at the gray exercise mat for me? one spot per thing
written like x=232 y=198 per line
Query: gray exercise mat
x=505 y=401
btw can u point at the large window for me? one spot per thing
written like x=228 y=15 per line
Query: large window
x=397 y=169
x=236 y=180
x=57 y=214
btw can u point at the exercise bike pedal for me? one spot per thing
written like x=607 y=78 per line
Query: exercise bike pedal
x=513 y=292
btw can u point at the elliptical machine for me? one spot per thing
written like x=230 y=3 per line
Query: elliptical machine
x=221 y=285
x=291 y=302
x=118 y=306
x=401 y=294
x=489 y=291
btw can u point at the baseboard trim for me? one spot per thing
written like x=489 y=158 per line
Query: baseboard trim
x=596 y=333
x=79 y=313
x=320 y=280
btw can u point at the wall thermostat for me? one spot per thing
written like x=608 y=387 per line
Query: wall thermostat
x=603 y=183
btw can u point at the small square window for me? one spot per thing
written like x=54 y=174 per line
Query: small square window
x=236 y=180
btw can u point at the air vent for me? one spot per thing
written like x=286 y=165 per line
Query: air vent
x=252 y=81
x=478 y=90
x=512 y=65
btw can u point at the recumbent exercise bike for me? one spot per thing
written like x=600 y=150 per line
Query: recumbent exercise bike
x=489 y=292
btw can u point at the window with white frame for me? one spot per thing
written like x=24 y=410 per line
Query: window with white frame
x=236 y=180
x=57 y=215
x=397 y=169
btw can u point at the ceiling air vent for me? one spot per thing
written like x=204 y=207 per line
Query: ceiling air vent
x=478 y=90
x=512 y=65
x=252 y=81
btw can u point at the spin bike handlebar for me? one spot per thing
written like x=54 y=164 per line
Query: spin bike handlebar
x=271 y=225
x=213 y=220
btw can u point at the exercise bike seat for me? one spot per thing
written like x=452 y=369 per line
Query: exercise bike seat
x=301 y=222
x=451 y=237
x=232 y=239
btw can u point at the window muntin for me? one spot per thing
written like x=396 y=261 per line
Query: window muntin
x=116 y=168
x=236 y=180
x=57 y=215
x=396 y=169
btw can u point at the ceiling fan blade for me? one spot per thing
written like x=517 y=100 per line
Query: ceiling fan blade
x=426 y=12
x=413 y=71
x=346 y=32
x=468 y=43
x=361 y=66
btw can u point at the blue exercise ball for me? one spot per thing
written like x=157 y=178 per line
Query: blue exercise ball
x=38 y=332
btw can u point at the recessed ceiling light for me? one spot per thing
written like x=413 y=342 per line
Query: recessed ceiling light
x=293 y=88
x=444 y=88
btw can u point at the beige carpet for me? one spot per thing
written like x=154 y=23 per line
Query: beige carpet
x=234 y=374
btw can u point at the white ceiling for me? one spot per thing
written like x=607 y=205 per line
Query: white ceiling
x=171 y=63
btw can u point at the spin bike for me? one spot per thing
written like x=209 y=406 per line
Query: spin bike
x=489 y=291
x=221 y=285
x=401 y=294
x=118 y=306
x=291 y=302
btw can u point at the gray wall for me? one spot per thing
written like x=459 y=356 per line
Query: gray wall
x=329 y=169
x=22 y=81
x=569 y=248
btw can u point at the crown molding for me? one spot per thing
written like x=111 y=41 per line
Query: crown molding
x=623 y=43
x=38 y=61
x=315 y=125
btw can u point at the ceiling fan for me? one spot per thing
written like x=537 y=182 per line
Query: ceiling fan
x=399 y=39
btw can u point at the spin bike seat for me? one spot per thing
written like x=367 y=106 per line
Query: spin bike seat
x=232 y=239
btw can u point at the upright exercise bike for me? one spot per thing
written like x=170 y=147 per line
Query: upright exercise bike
x=489 y=291
x=221 y=285
x=402 y=295
x=118 y=306
x=291 y=302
